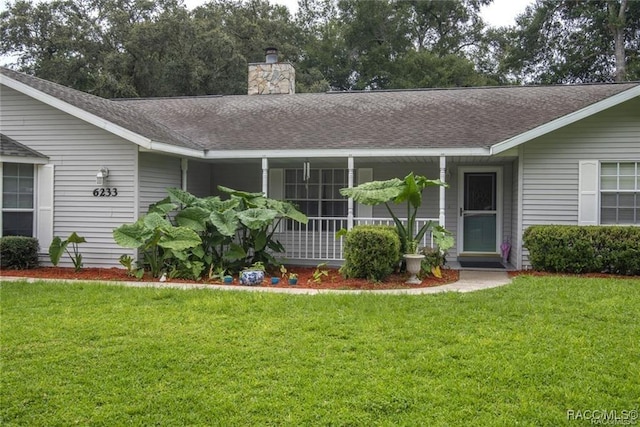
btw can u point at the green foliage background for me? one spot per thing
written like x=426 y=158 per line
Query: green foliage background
x=137 y=48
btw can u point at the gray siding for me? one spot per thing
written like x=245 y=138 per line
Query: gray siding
x=157 y=173
x=77 y=150
x=550 y=163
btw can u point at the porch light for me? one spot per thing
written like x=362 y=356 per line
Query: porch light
x=101 y=176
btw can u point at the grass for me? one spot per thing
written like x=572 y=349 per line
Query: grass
x=523 y=354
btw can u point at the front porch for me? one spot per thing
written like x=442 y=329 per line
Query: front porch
x=316 y=241
x=479 y=206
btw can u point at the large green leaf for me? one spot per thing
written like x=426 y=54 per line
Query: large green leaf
x=56 y=248
x=375 y=192
x=225 y=205
x=194 y=218
x=238 y=193
x=225 y=222
x=260 y=240
x=257 y=218
x=234 y=253
x=74 y=238
x=287 y=210
x=410 y=191
x=183 y=197
x=155 y=220
x=132 y=235
x=162 y=207
x=179 y=239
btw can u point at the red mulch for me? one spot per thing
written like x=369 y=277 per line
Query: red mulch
x=305 y=278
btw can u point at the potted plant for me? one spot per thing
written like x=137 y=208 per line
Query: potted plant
x=408 y=190
x=293 y=279
x=253 y=275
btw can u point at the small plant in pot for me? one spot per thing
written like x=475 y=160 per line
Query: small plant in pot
x=293 y=279
x=253 y=275
x=435 y=258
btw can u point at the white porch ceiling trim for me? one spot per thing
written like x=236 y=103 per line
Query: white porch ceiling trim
x=76 y=112
x=565 y=120
x=345 y=152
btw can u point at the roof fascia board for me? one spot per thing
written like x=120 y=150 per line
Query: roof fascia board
x=24 y=159
x=163 y=147
x=75 y=111
x=381 y=152
x=566 y=120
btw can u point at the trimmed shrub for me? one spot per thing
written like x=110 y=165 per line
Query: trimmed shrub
x=584 y=249
x=18 y=252
x=371 y=252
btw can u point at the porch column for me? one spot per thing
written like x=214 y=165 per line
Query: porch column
x=265 y=176
x=350 y=200
x=443 y=177
x=184 y=166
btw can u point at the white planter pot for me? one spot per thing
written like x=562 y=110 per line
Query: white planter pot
x=252 y=277
x=414 y=262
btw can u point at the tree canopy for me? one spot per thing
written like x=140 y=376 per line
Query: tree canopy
x=569 y=41
x=142 y=48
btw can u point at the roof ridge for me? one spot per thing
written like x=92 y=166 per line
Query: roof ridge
x=438 y=89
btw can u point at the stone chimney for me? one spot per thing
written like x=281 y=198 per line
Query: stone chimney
x=271 y=76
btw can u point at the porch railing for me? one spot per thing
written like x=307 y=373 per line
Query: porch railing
x=317 y=240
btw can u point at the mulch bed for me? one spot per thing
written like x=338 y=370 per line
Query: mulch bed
x=305 y=278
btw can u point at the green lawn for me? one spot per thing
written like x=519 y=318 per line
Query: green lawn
x=522 y=354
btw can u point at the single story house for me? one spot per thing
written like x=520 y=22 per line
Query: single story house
x=512 y=156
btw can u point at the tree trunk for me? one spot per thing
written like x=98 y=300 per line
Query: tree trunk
x=617 y=25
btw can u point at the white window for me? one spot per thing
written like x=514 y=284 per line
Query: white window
x=318 y=193
x=17 y=199
x=620 y=193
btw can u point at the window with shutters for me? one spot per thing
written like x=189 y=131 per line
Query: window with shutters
x=620 y=193
x=17 y=199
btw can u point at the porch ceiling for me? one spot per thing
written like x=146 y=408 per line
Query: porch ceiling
x=333 y=161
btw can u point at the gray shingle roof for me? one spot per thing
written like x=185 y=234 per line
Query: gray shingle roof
x=437 y=118
x=453 y=118
x=11 y=148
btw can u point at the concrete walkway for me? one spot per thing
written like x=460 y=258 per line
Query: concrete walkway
x=470 y=280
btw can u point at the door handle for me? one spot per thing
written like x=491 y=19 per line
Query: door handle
x=460 y=211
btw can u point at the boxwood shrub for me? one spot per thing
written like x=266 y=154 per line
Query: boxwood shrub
x=584 y=249
x=371 y=252
x=18 y=252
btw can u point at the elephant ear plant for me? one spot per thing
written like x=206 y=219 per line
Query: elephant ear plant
x=408 y=190
x=159 y=241
x=59 y=246
x=187 y=235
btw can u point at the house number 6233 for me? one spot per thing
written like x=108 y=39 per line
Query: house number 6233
x=105 y=192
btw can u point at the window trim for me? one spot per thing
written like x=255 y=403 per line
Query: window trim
x=31 y=210
x=618 y=191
